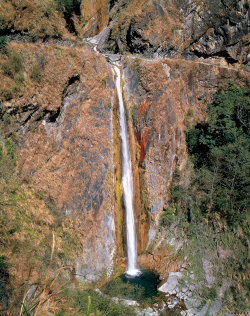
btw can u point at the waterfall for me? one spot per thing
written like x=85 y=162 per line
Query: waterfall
x=127 y=184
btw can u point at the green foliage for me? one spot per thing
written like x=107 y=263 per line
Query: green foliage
x=4 y=277
x=10 y=147
x=90 y=302
x=13 y=65
x=19 y=79
x=190 y=112
x=3 y=44
x=220 y=152
x=4 y=264
x=218 y=192
x=133 y=113
x=17 y=62
x=173 y=28
x=7 y=119
x=167 y=217
x=68 y=6
x=121 y=289
x=7 y=94
x=36 y=73
x=142 y=290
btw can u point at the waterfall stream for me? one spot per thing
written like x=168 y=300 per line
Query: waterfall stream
x=127 y=184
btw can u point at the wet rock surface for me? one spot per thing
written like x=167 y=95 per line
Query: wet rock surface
x=164 y=97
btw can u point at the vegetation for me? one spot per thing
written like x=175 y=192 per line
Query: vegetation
x=40 y=245
x=211 y=207
x=27 y=220
x=141 y=290
x=3 y=43
x=40 y=18
x=13 y=65
x=89 y=302
x=220 y=152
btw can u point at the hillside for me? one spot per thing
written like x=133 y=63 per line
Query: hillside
x=185 y=87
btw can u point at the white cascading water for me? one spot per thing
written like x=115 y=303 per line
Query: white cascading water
x=127 y=185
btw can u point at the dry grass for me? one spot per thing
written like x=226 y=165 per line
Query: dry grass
x=45 y=71
x=28 y=222
x=39 y=18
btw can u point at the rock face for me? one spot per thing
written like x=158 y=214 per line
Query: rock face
x=164 y=97
x=58 y=19
x=62 y=118
x=66 y=148
x=180 y=27
x=171 y=283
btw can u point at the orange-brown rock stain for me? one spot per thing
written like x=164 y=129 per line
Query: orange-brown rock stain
x=118 y=205
x=140 y=209
x=161 y=260
x=96 y=15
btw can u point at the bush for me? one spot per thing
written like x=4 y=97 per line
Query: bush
x=13 y=65
x=3 y=44
x=167 y=217
x=36 y=73
x=68 y=6
x=7 y=94
x=219 y=151
x=19 y=79
x=7 y=119
x=10 y=147
x=89 y=302
x=17 y=62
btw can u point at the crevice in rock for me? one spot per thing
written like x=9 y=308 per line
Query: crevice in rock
x=112 y=4
x=222 y=53
x=53 y=115
x=69 y=13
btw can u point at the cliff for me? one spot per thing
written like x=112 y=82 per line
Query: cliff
x=60 y=149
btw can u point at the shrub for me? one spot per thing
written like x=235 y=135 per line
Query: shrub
x=17 y=62
x=10 y=147
x=36 y=73
x=13 y=65
x=219 y=151
x=7 y=68
x=167 y=217
x=7 y=94
x=68 y=6
x=3 y=44
x=19 y=79
x=89 y=302
x=6 y=119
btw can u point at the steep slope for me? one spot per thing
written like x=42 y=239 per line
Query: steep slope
x=59 y=135
x=165 y=97
x=53 y=18
x=60 y=118
x=179 y=28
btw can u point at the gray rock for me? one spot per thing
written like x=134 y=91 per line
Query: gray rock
x=191 y=287
x=129 y=302
x=172 y=282
x=208 y=269
x=210 y=309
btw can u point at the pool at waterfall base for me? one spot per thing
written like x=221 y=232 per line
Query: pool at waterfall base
x=141 y=288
